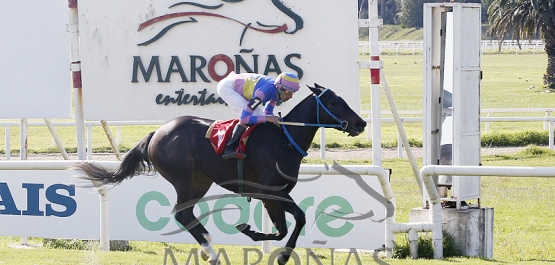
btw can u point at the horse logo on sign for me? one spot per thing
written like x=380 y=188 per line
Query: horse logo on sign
x=201 y=10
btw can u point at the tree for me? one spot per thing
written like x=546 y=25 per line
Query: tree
x=389 y=12
x=387 y=9
x=362 y=9
x=524 y=19
x=413 y=11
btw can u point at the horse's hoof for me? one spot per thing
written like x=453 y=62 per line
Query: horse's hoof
x=214 y=262
x=203 y=255
x=282 y=260
x=243 y=227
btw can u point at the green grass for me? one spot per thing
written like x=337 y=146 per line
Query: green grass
x=396 y=32
x=152 y=253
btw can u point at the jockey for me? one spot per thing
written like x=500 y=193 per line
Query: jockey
x=247 y=93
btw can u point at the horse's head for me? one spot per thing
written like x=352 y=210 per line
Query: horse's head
x=339 y=111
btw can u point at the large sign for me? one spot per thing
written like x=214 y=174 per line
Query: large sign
x=155 y=60
x=38 y=203
x=35 y=80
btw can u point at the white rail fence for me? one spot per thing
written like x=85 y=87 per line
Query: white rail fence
x=427 y=173
x=486 y=119
x=89 y=125
x=545 y=118
x=488 y=46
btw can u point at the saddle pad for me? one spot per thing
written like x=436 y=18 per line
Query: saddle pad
x=220 y=132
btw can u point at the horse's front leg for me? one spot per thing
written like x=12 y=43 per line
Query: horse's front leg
x=277 y=216
x=291 y=207
x=276 y=210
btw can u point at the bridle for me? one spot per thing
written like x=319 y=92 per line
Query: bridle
x=343 y=124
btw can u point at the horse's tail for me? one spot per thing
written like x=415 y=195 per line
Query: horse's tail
x=136 y=161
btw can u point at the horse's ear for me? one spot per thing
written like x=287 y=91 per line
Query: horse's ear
x=316 y=90
x=318 y=86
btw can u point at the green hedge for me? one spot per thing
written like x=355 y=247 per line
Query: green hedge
x=491 y=139
x=524 y=138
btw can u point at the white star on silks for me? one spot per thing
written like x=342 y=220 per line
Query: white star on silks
x=220 y=135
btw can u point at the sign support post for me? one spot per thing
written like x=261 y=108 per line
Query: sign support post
x=73 y=28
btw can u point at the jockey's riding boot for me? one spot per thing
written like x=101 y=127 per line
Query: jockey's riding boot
x=229 y=151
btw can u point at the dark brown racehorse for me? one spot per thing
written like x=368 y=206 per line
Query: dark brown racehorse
x=179 y=151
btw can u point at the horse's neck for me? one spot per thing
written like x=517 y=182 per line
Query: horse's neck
x=305 y=112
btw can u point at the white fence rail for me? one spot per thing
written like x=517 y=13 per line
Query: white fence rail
x=486 y=118
x=89 y=125
x=488 y=46
x=427 y=173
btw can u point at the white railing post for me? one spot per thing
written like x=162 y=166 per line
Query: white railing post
x=104 y=221
x=23 y=136
x=551 y=134
x=118 y=135
x=7 y=136
x=399 y=146
x=487 y=123
x=322 y=143
x=267 y=229
x=89 y=141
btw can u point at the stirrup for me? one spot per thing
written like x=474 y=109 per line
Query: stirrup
x=233 y=155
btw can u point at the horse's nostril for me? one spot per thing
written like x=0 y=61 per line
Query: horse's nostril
x=361 y=124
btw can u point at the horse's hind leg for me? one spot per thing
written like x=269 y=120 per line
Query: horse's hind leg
x=189 y=191
x=199 y=232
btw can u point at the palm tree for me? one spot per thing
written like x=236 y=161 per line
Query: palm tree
x=525 y=19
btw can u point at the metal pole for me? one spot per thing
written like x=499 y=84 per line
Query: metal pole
x=89 y=141
x=111 y=139
x=267 y=229
x=8 y=148
x=23 y=139
x=73 y=29
x=322 y=143
x=402 y=134
x=57 y=139
x=23 y=153
x=375 y=66
x=551 y=134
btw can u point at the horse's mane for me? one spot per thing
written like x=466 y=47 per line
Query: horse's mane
x=327 y=94
x=299 y=106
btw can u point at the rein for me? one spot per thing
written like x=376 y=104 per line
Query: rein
x=341 y=123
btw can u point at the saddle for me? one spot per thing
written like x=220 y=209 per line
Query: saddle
x=220 y=132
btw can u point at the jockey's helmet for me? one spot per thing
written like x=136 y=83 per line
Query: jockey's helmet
x=288 y=81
